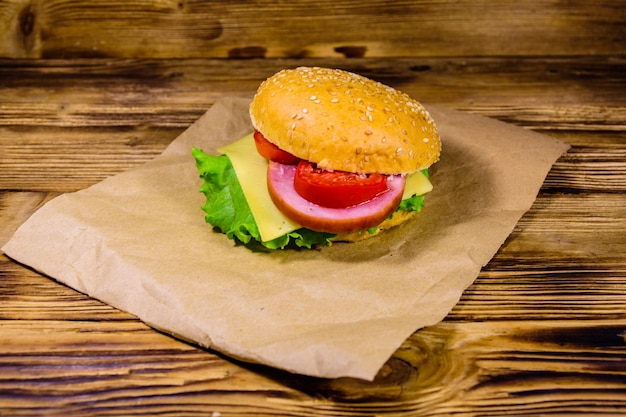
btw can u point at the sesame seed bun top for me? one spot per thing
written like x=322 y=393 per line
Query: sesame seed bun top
x=343 y=121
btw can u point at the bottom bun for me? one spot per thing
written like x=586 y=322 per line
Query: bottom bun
x=393 y=221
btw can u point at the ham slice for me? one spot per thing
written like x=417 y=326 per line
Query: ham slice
x=325 y=219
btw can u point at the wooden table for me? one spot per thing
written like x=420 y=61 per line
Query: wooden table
x=87 y=92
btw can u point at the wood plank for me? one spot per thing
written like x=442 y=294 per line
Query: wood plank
x=69 y=124
x=126 y=87
x=89 y=367
x=590 y=168
x=53 y=159
x=27 y=295
x=448 y=368
x=321 y=28
x=83 y=157
x=575 y=227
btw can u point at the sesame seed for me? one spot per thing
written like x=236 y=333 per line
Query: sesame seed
x=305 y=110
x=426 y=140
x=313 y=98
x=368 y=132
x=334 y=100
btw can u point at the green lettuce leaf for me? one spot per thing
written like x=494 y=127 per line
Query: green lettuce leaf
x=414 y=203
x=228 y=211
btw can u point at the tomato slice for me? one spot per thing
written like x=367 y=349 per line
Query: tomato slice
x=336 y=189
x=272 y=152
x=280 y=185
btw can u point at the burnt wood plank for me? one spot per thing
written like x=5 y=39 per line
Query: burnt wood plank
x=69 y=124
x=306 y=29
x=546 y=367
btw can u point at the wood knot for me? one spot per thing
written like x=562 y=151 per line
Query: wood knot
x=27 y=21
x=248 y=52
x=352 y=51
x=389 y=384
x=420 y=68
x=420 y=365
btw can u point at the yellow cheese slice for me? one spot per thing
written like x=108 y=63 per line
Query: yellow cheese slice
x=416 y=184
x=251 y=170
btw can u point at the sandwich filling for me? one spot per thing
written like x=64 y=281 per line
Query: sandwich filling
x=240 y=205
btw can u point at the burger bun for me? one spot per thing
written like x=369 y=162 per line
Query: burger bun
x=343 y=121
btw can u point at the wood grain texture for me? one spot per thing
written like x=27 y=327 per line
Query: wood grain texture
x=90 y=89
x=309 y=29
x=126 y=111
x=548 y=367
x=541 y=331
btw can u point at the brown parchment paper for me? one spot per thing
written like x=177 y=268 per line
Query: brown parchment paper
x=138 y=241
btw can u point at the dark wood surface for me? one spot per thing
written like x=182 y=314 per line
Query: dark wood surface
x=307 y=29
x=90 y=89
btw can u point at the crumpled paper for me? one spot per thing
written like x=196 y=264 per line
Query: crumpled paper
x=138 y=241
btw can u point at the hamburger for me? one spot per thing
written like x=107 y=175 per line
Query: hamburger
x=334 y=156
